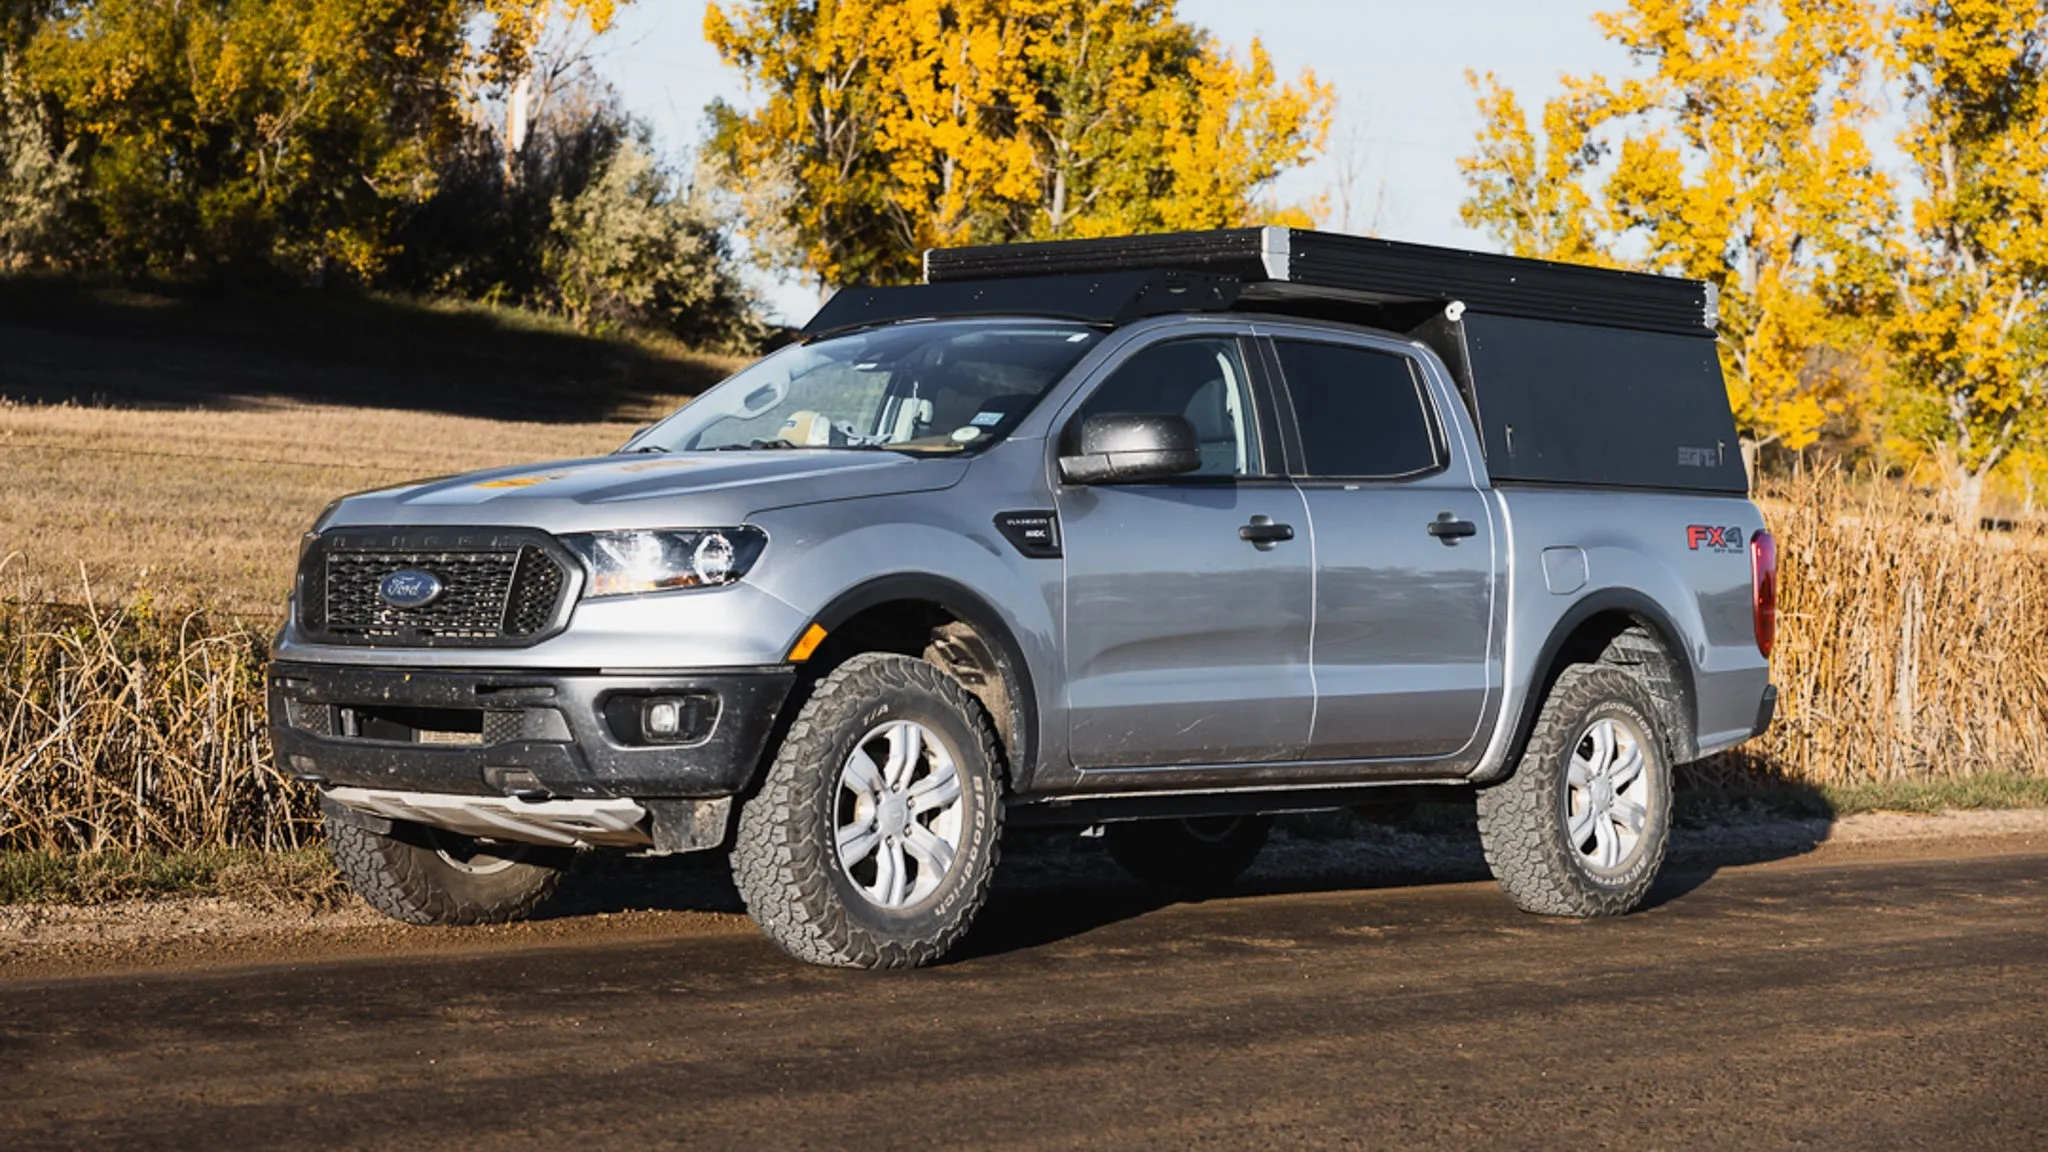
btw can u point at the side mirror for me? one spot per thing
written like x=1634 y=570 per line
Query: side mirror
x=1132 y=446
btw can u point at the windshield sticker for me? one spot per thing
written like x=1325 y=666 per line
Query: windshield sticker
x=986 y=419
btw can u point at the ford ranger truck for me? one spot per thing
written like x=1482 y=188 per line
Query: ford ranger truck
x=1161 y=534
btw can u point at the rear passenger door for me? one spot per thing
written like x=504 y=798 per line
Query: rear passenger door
x=1404 y=553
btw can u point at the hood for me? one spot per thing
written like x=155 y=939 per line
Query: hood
x=686 y=489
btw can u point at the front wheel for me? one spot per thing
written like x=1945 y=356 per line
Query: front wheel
x=872 y=842
x=1581 y=828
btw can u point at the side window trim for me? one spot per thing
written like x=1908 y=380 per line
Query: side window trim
x=1260 y=384
x=1418 y=376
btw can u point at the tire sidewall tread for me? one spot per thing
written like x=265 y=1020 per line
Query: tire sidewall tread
x=784 y=862
x=1521 y=821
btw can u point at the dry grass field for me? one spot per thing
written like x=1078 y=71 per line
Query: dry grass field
x=182 y=444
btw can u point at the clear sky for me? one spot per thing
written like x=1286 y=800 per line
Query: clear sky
x=1398 y=68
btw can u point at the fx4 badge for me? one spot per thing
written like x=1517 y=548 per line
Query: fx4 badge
x=1698 y=536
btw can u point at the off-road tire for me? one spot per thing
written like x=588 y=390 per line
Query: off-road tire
x=1202 y=854
x=784 y=860
x=1522 y=819
x=404 y=875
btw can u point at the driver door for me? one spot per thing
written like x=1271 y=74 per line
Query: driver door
x=1188 y=644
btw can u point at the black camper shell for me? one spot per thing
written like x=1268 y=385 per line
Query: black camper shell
x=1573 y=375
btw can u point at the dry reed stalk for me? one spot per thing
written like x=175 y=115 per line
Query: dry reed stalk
x=136 y=727
x=1907 y=649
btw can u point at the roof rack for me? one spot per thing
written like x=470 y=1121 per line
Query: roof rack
x=1117 y=297
x=1278 y=265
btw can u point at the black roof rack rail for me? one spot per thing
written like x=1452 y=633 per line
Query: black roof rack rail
x=1292 y=264
x=1115 y=297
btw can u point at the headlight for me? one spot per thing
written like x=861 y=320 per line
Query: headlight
x=622 y=563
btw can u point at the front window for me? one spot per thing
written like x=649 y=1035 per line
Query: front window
x=929 y=387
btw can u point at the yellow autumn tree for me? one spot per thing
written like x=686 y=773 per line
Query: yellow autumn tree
x=1970 y=334
x=888 y=126
x=1530 y=195
x=1738 y=158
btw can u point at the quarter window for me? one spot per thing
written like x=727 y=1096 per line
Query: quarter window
x=1362 y=413
x=1203 y=380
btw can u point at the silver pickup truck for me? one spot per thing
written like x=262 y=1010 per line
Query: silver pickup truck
x=1160 y=534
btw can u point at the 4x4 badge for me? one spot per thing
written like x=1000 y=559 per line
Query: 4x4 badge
x=1712 y=538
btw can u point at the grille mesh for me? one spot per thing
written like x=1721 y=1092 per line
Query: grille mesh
x=503 y=595
x=502 y=726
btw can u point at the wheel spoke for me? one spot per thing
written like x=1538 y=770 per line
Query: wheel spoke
x=935 y=791
x=862 y=774
x=1606 y=843
x=1580 y=773
x=1629 y=815
x=934 y=855
x=1603 y=745
x=1628 y=767
x=906 y=748
x=899 y=874
x=857 y=841
x=1580 y=827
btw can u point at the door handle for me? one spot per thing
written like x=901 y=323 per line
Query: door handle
x=1263 y=533
x=1450 y=529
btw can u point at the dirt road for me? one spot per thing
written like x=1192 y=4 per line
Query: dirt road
x=1887 y=997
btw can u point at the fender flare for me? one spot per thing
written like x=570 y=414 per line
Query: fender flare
x=1545 y=670
x=974 y=609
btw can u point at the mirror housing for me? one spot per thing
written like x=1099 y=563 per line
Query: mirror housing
x=1132 y=446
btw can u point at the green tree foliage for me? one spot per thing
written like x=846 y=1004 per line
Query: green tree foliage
x=35 y=177
x=244 y=133
x=889 y=126
x=633 y=247
x=448 y=147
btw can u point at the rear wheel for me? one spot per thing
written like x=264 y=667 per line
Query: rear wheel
x=1192 y=854
x=1582 y=826
x=423 y=875
x=872 y=842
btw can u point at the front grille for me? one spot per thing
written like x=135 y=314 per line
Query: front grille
x=504 y=590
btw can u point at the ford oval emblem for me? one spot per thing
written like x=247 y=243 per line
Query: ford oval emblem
x=410 y=588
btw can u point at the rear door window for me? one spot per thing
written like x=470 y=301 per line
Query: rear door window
x=1362 y=412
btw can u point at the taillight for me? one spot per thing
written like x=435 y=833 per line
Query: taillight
x=1763 y=589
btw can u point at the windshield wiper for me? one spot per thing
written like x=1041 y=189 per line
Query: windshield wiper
x=776 y=444
x=648 y=448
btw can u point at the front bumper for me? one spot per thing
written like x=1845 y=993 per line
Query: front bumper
x=513 y=733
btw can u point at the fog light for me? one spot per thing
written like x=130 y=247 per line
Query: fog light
x=662 y=719
x=682 y=719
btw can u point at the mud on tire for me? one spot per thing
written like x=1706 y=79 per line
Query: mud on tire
x=1193 y=855
x=1582 y=826
x=835 y=855
x=423 y=876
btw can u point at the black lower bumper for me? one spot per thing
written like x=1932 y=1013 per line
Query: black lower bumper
x=520 y=733
x=1766 y=711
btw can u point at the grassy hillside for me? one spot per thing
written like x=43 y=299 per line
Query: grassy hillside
x=183 y=442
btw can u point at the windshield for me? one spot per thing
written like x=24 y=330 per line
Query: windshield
x=928 y=387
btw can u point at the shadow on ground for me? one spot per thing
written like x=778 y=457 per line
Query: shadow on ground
x=1053 y=885
x=214 y=348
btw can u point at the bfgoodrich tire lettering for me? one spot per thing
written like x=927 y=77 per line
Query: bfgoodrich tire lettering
x=1562 y=840
x=422 y=876
x=795 y=836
